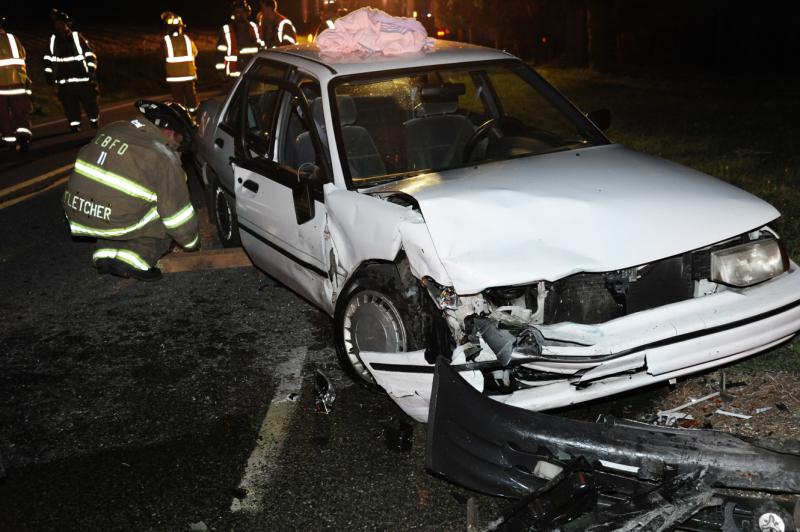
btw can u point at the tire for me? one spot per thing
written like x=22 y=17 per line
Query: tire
x=372 y=315
x=225 y=217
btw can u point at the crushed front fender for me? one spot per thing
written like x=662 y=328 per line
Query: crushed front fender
x=506 y=451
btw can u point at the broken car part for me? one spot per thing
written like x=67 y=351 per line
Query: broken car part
x=499 y=450
x=324 y=393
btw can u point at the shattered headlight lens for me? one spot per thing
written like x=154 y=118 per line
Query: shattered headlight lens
x=750 y=263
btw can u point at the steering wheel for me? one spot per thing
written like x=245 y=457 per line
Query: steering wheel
x=477 y=136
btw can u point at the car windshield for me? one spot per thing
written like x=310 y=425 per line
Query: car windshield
x=431 y=120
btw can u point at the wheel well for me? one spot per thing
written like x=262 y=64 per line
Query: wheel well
x=437 y=334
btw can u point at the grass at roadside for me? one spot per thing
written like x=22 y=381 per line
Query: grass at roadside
x=739 y=130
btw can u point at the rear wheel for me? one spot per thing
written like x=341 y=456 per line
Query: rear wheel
x=373 y=315
x=225 y=218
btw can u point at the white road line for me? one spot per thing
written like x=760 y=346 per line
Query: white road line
x=9 y=203
x=37 y=179
x=264 y=458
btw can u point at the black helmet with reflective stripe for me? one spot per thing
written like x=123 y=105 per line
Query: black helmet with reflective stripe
x=169 y=115
x=241 y=4
x=171 y=19
x=56 y=15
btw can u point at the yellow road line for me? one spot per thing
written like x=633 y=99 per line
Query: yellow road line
x=38 y=179
x=9 y=203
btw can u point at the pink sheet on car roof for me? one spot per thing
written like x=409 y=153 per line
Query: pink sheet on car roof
x=374 y=31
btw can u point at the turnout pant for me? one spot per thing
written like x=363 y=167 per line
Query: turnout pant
x=141 y=253
x=73 y=95
x=14 y=111
x=184 y=93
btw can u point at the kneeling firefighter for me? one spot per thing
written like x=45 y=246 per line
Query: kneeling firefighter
x=129 y=190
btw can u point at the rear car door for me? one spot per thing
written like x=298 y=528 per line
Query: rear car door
x=278 y=187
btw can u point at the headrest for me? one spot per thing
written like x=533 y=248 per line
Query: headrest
x=347 y=110
x=433 y=108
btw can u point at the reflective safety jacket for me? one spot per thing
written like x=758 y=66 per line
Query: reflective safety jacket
x=70 y=60
x=128 y=183
x=238 y=42
x=281 y=32
x=13 y=74
x=180 y=52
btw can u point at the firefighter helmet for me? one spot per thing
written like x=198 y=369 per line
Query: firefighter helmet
x=170 y=19
x=169 y=115
x=241 y=4
x=57 y=15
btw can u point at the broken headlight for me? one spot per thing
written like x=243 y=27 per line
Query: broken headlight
x=750 y=263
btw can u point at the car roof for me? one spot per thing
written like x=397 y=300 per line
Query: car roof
x=443 y=52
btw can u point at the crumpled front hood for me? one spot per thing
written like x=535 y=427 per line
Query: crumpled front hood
x=596 y=209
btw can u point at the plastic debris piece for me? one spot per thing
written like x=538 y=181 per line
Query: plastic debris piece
x=672 y=416
x=325 y=393
x=200 y=526
x=763 y=409
x=731 y=414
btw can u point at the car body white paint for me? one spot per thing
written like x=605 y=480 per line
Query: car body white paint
x=537 y=218
x=591 y=210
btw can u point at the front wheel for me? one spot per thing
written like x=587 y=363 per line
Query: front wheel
x=225 y=218
x=373 y=316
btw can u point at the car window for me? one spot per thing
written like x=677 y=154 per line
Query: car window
x=257 y=101
x=259 y=115
x=434 y=119
x=295 y=143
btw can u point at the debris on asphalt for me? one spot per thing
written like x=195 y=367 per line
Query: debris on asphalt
x=609 y=475
x=473 y=518
x=762 y=409
x=731 y=414
x=324 y=393
x=672 y=416
x=200 y=526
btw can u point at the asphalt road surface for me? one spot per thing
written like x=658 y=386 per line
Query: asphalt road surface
x=138 y=406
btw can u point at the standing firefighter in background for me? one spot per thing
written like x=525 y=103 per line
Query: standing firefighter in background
x=15 y=102
x=129 y=191
x=238 y=40
x=71 y=65
x=180 y=53
x=274 y=28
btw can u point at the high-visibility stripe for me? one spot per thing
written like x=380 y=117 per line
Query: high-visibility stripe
x=71 y=80
x=179 y=218
x=234 y=74
x=222 y=48
x=12 y=42
x=125 y=255
x=91 y=65
x=12 y=62
x=117 y=182
x=219 y=66
x=75 y=123
x=89 y=54
x=69 y=59
x=77 y=40
x=24 y=130
x=176 y=79
x=48 y=70
x=231 y=58
x=182 y=59
x=193 y=243
x=330 y=24
x=249 y=50
x=52 y=44
x=12 y=92
x=78 y=229
x=281 y=36
x=10 y=139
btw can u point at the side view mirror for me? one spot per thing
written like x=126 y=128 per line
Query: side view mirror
x=303 y=192
x=601 y=118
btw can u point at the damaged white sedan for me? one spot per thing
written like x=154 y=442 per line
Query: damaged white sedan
x=453 y=204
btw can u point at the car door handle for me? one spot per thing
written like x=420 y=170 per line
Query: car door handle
x=252 y=186
x=219 y=143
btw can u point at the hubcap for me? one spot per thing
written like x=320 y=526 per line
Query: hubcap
x=372 y=323
x=224 y=214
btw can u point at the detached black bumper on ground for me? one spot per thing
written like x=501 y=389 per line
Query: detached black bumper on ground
x=628 y=471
